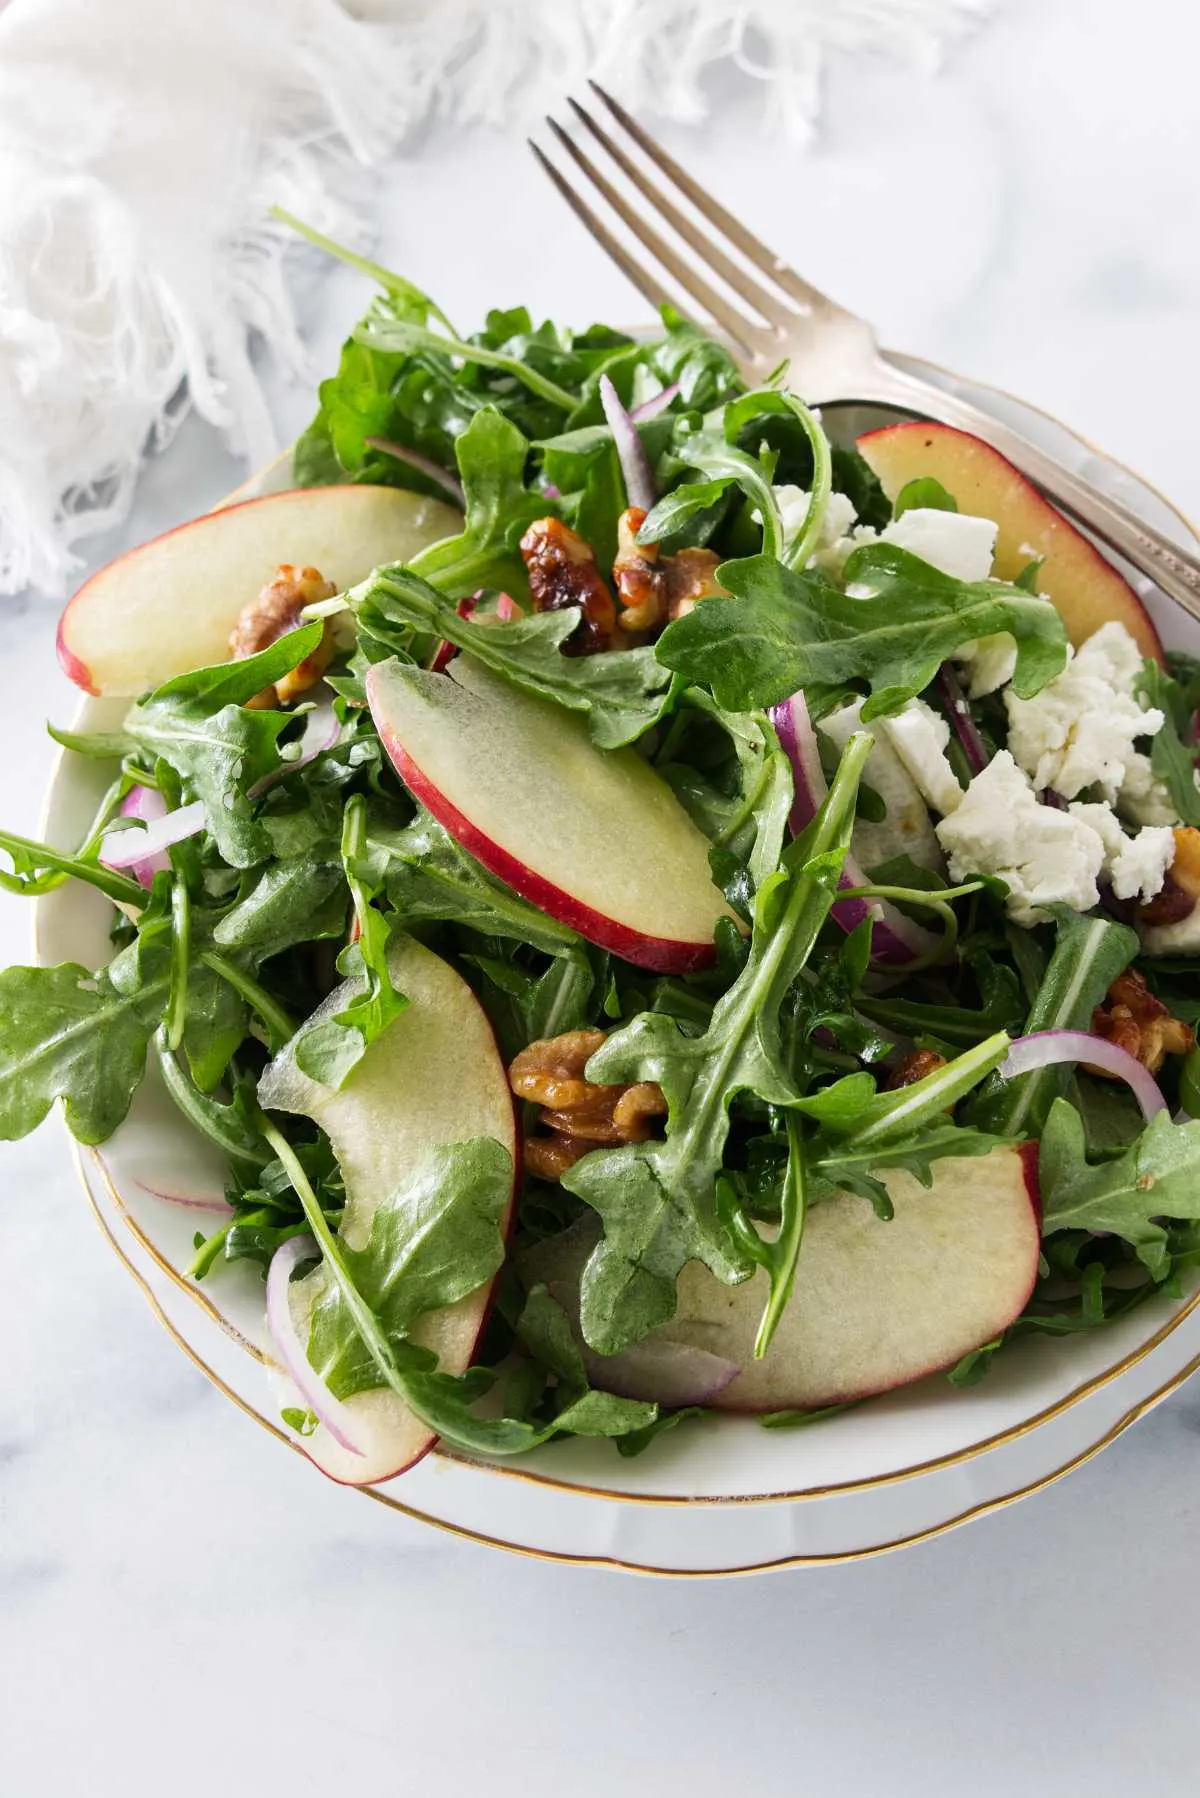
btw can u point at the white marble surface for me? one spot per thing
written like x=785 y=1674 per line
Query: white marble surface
x=185 y=1609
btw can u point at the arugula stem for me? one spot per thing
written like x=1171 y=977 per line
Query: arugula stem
x=809 y=534
x=365 y=1321
x=391 y=283
x=208 y=1251
x=400 y=335
x=120 y=890
x=279 y=1026
x=805 y=910
x=181 y=953
x=933 y=897
x=212 y=1119
x=725 y=461
x=897 y=1113
x=785 y=1251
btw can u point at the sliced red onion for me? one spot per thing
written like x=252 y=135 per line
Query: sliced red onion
x=664 y=1373
x=507 y=610
x=657 y=403
x=210 y=1202
x=321 y=731
x=965 y=727
x=328 y=1410
x=449 y=483
x=1051 y=1048
x=631 y=453
x=147 y=804
x=143 y=849
x=895 y=939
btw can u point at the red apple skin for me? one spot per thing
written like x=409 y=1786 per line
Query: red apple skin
x=1085 y=587
x=506 y=1228
x=1028 y=1151
x=442 y=521
x=660 y=955
x=68 y=661
x=1028 y=1155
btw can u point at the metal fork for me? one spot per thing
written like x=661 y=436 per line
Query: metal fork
x=833 y=355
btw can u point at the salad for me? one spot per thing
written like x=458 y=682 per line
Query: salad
x=660 y=911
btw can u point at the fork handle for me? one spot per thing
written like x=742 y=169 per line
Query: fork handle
x=1176 y=571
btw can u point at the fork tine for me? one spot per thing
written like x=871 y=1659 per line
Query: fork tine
x=735 y=324
x=767 y=305
x=750 y=246
x=641 y=278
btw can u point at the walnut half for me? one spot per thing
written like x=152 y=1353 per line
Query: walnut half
x=275 y=611
x=655 y=589
x=578 y=1114
x=1140 y=1024
x=562 y=572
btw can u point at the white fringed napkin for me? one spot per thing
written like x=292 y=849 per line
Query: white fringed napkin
x=142 y=142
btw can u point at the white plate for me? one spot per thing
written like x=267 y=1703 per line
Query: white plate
x=685 y=1538
x=722 y=1496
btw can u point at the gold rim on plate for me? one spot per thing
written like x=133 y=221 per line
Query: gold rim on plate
x=956 y=1458
x=985 y=1509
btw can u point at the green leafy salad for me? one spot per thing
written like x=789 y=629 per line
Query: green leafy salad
x=695 y=932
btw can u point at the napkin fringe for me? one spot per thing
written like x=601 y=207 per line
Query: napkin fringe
x=142 y=142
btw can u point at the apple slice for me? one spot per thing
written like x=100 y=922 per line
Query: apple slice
x=591 y=836
x=877 y=1305
x=170 y=605
x=433 y=1077
x=1085 y=587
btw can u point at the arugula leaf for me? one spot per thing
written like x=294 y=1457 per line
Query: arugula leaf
x=623 y=695
x=99 y=746
x=783 y=629
x=658 y=1199
x=378 y=331
x=704 y=370
x=1089 y=953
x=298 y=900
x=329 y=1050
x=679 y=508
x=845 y=1165
x=544 y=1329
x=861 y=486
x=430 y=1243
x=199 y=724
x=216 y=1024
x=924 y=493
x=1159 y=1177
x=36 y=868
x=428 y=875
x=70 y=1035
x=492 y=454
x=1001 y=1007
x=433 y=1242
x=1173 y=754
x=525 y=1007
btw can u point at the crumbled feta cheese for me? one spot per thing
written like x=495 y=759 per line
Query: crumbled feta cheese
x=1143 y=797
x=1136 y=866
x=1044 y=856
x=907 y=828
x=1079 y=731
x=956 y=543
x=919 y=736
x=836 y=521
x=988 y=663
